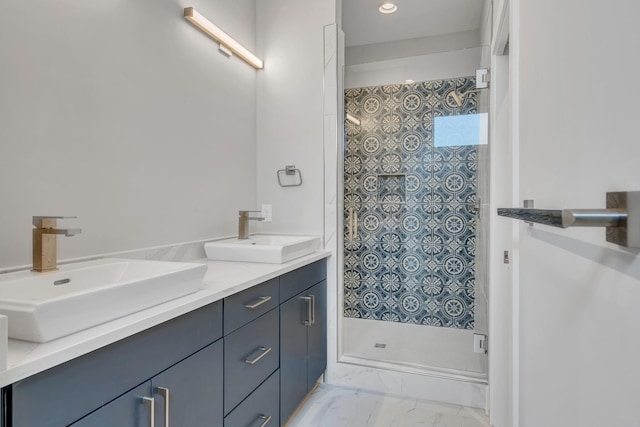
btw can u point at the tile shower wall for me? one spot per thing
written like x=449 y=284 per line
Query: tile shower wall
x=411 y=257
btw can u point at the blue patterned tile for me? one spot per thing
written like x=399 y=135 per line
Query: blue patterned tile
x=391 y=189
x=413 y=260
x=468 y=196
x=432 y=285
x=470 y=250
x=390 y=279
x=390 y=93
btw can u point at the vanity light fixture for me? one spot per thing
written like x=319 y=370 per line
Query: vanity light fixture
x=387 y=8
x=227 y=44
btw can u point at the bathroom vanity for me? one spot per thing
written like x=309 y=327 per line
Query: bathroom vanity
x=239 y=353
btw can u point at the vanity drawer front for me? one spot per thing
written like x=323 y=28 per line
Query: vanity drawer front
x=242 y=308
x=251 y=354
x=296 y=281
x=75 y=388
x=263 y=403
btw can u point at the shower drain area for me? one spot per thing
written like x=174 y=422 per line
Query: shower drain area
x=414 y=347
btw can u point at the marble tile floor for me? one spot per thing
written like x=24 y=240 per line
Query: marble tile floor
x=331 y=406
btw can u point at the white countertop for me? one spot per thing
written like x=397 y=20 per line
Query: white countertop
x=223 y=278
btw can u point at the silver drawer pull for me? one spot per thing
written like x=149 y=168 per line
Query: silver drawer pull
x=258 y=303
x=313 y=309
x=263 y=352
x=310 y=301
x=164 y=392
x=265 y=418
x=151 y=403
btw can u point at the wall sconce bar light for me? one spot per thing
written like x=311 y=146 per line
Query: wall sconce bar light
x=227 y=43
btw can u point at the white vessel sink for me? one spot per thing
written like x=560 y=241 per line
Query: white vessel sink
x=272 y=249
x=44 y=306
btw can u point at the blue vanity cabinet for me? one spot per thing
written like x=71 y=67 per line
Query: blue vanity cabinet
x=303 y=334
x=252 y=355
x=191 y=390
x=99 y=383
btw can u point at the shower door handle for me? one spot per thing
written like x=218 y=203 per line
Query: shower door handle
x=350 y=223
x=355 y=225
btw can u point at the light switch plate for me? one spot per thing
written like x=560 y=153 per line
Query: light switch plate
x=267 y=213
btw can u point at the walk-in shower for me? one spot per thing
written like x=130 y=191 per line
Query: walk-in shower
x=415 y=187
x=411 y=217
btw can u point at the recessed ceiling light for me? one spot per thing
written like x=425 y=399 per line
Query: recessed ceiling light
x=387 y=7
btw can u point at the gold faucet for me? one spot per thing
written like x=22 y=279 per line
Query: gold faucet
x=243 y=223
x=45 y=243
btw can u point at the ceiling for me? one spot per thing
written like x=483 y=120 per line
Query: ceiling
x=363 y=24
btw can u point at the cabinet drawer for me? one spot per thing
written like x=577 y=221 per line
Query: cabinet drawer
x=67 y=392
x=251 y=354
x=303 y=278
x=242 y=308
x=260 y=406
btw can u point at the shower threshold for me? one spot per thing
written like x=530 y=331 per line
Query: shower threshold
x=415 y=368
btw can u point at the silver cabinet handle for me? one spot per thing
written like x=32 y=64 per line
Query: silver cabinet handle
x=258 y=302
x=151 y=403
x=266 y=419
x=164 y=392
x=313 y=309
x=309 y=301
x=263 y=352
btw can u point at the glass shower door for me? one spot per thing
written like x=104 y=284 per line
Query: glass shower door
x=410 y=215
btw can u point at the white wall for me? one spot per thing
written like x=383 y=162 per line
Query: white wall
x=290 y=110
x=376 y=52
x=443 y=65
x=579 y=296
x=125 y=115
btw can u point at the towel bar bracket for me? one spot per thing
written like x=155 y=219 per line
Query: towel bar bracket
x=627 y=232
x=621 y=217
